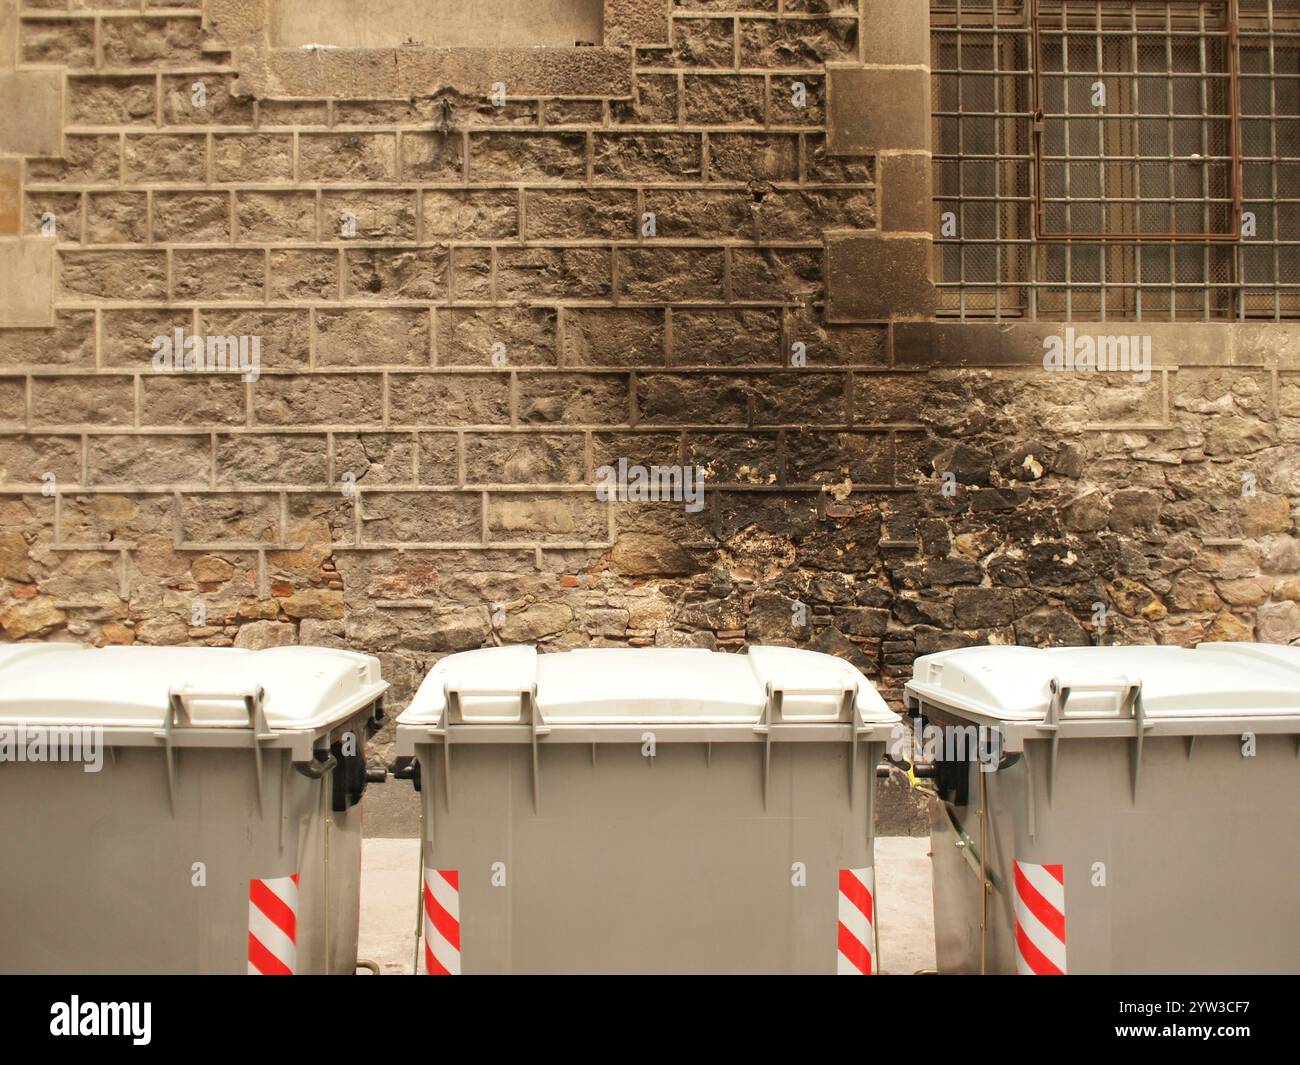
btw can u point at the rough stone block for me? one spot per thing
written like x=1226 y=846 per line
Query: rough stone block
x=101 y=401
x=61 y=42
x=735 y=458
x=554 y=214
x=166 y=157
x=748 y=157
x=167 y=42
x=219 y=275
x=304 y=275
x=347 y=156
x=88 y=159
x=401 y=274
x=376 y=458
x=803 y=43
x=284 y=335
x=266 y=458
x=192 y=217
x=554 y=273
x=388 y=336
x=513 y=157
x=636 y=22
x=692 y=399
x=342 y=400
x=720 y=337
x=654 y=102
x=703 y=42
x=252 y=157
x=470 y=337
x=783 y=275
x=547 y=518
x=156 y=460
x=215 y=517
x=670 y=273
x=368 y=216
x=198 y=400
x=646 y=156
x=433 y=156
x=475 y=214
x=121 y=218
x=70 y=343
x=524 y=458
x=573 y=399
x=215 y=106
x=111 y=100
x=420 y=517
x=803 y=397
x=449 y=399
x=725 y=99
x=611 y=336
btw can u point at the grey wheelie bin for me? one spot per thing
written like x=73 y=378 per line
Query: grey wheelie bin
x=646 y=811
x=182 y=810
x=1128 y=809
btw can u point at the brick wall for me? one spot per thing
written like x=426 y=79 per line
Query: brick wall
x=462 y=315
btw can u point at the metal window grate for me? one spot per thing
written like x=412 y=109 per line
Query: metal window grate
x=1268 y=40
x=1093 y=158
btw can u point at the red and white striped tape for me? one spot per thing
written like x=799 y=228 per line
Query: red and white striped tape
x=442 y=922
x=857 y=943
x=1040 y=919
x=273 y=926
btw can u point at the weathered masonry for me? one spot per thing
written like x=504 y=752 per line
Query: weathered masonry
x=816 y=249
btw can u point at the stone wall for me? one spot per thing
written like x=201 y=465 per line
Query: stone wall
x=463 y=313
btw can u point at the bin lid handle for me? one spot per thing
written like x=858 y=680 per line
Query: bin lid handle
x=178 y=711
x=1129 y=693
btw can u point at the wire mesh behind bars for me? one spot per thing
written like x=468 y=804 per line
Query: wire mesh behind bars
x=1161 y=181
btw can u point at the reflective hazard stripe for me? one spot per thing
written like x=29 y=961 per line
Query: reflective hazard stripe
x=442 y=922
x=1040 y=919
x=273 y=926
x=856 y=933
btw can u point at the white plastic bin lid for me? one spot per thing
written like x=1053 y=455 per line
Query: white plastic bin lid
x=1013 y=683
x=128 y=687
x=651 y=685
x=1276 y=654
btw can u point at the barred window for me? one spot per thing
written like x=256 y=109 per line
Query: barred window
x=1117 y=158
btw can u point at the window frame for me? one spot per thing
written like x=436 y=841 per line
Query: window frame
x=1232 y=113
